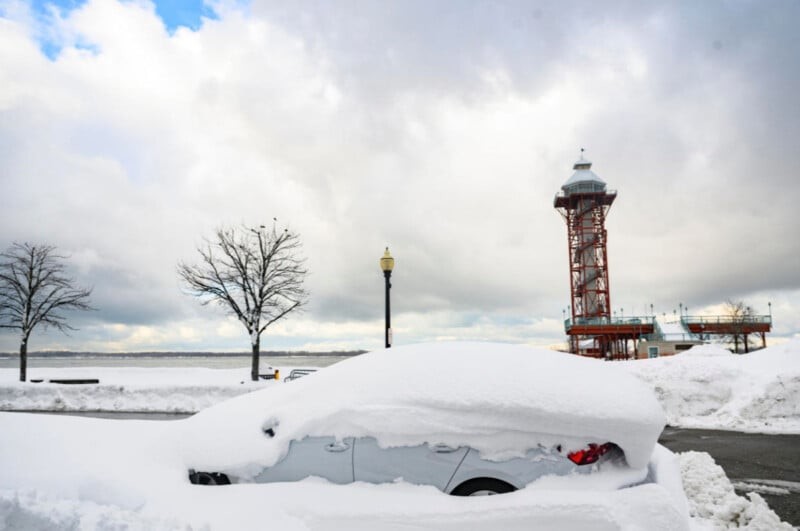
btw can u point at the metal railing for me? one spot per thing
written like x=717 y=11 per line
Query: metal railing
x=609 y=321
x=726 y=319
x=585 y=187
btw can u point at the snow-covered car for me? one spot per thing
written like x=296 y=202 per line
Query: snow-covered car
x=467 y=418
x=456 y=470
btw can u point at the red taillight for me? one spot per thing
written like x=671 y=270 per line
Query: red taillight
x=589 y=455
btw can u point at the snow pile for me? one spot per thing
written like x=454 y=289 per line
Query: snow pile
x=713 y=503
x=29 y=509
x=73 y=473
x=314 y=504
x=708 y=387
x=499 y=399
x=84 y=458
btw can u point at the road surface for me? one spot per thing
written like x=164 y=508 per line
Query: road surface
x=751 y=461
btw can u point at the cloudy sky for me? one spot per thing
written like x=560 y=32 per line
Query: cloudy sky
x=129 y=130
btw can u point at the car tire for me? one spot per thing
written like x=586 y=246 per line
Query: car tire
x=209 y=478
x=483 y=487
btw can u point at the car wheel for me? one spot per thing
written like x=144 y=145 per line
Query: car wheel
x=483 y=487
x=209 y=478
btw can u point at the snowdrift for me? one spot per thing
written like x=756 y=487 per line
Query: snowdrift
x=708 y=387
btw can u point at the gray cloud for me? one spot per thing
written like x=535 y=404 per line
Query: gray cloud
x=442 y=130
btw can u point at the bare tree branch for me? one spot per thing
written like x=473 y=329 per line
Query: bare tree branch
x=255 y=274
x=739 y=313
x=34 y=290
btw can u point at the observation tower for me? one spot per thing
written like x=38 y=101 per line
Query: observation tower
x=584 y=202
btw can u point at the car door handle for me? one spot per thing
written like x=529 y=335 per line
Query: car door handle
x=443 y=449
x=338 y=446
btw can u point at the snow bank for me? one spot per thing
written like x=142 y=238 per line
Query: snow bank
x=705 y=387
x=29 y=509
x=85 y=458
x=77 y=473
x=713 y=503
x=499 y=399
x=708 y=387
x=73 y=473
x=134 y=389
x=314 y=505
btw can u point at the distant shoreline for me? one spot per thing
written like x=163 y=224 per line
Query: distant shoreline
x=128 y=355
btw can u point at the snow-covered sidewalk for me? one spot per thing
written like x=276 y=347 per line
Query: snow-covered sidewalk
x=130 y=389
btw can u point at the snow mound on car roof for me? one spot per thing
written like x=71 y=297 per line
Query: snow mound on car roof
x=499 y=399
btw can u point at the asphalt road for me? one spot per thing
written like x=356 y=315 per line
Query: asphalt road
x=751 y=459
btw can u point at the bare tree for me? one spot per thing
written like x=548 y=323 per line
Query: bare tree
x=256 y=274
x=35 y=290
x=739 y=314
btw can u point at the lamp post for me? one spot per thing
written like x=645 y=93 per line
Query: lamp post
x=387 y=264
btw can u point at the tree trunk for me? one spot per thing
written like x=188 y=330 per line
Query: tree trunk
x=23 y=359
x=256 y=353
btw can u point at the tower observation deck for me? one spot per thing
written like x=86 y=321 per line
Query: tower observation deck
x=584 y=202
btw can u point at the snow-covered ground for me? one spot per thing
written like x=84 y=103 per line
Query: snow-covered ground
x=78 y=473
x=106 y=504
x=135 y=389
x=705 y=387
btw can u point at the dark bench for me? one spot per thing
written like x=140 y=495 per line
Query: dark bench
x=74 y=381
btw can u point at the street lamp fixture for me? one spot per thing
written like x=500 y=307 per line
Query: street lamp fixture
x=387 y=264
